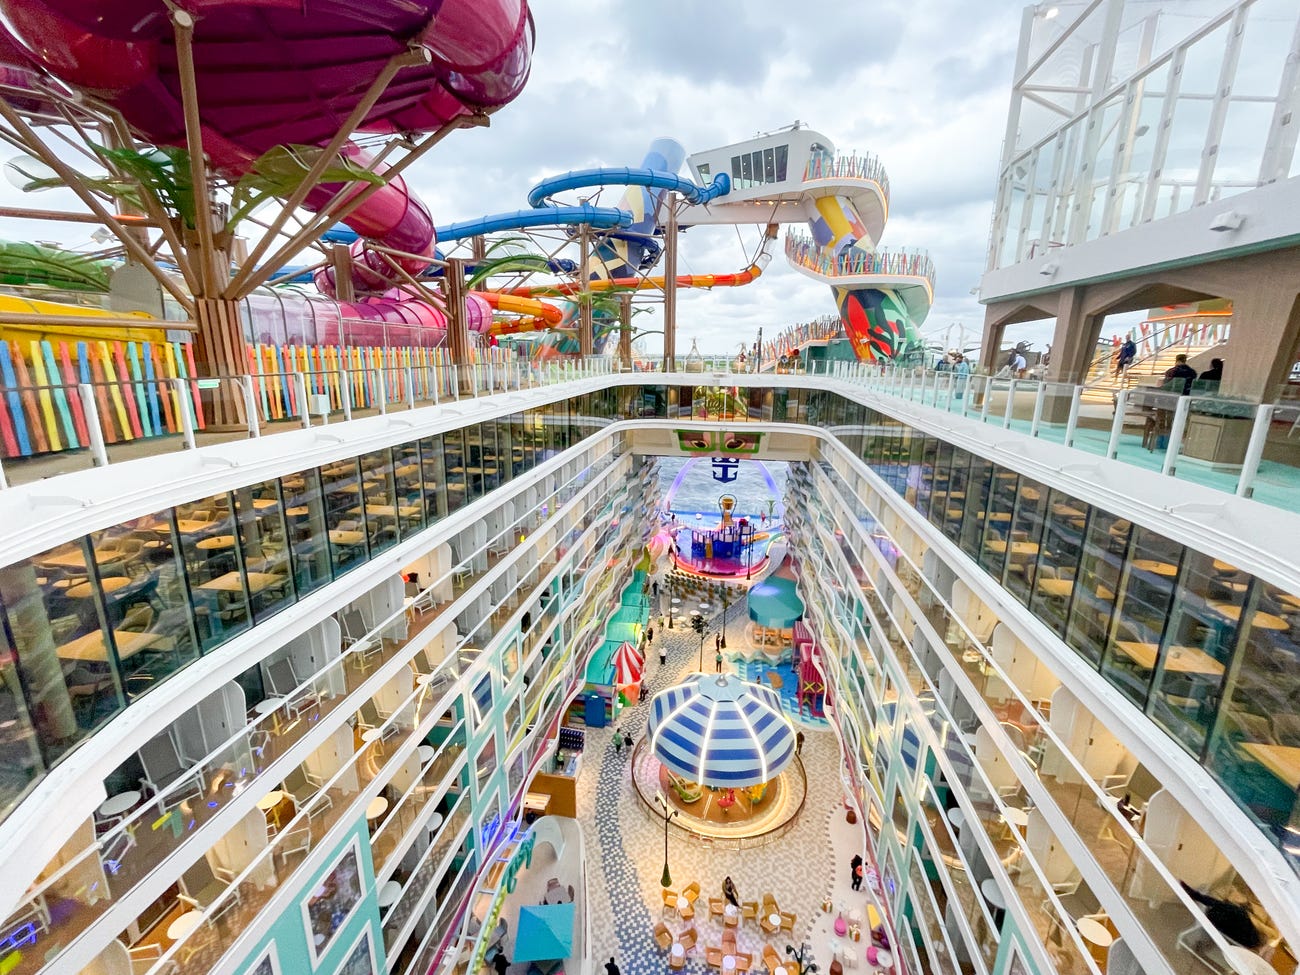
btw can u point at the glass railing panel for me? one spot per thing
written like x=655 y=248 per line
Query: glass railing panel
x=1277 y=479
x=1054 y=412
x=1214 y=438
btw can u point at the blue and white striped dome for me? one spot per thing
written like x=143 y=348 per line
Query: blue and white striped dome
x=721 y=731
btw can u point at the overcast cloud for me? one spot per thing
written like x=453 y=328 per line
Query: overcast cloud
x=924 y=85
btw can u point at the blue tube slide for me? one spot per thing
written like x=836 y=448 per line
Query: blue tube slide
x=629 y=176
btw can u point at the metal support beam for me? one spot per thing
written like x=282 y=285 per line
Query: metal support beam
x=586 y=341
x=327 y=155
x=73 y=181
x=209 y=274
x=670 y=285
x=625 y=331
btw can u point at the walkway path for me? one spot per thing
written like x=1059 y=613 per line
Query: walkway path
x=625 y=846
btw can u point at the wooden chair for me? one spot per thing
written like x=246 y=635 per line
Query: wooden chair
x=769 y=904
x=766 y=924
x=787 y=922
x=688 y=938
x=670 y=901
x=691 y=891
x=749 y=910
x=770 y=958
x=730 y=921
x=676 y=964
x=716 y=906
x=685 y=909
x=663 y=937
x=744 y=961
x=713 y=956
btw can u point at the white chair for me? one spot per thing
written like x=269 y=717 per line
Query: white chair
x=203 y=886
x=165 y=773
x=284 y=683
x=353 y=625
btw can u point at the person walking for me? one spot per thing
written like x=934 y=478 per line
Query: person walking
x=618 y=744
x=1127 y=353
x=663 y=653
x=717 y=661
x=729 y=891
x=855 y=871
x=627 y=742
x=798 y=743
x=654 y=588
x=500 y=962
x=611 y=968
x=717 y=641
x=649 y=635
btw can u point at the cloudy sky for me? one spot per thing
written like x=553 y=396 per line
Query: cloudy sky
x=923 y=84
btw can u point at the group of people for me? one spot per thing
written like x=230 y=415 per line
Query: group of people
x=1182 y=373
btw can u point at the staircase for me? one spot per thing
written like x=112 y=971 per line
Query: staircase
x=1101 y=383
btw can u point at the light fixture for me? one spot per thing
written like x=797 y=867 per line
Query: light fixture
x=1051 y=12
x=1048 y=269
x=1227 y=220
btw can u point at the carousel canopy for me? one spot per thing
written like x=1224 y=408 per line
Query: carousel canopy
x=774 y=603
x=629 y=665
x=721 y=731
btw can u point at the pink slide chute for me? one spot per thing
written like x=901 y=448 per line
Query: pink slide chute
x=276 y=72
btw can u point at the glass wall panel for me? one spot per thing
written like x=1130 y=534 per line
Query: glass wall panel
x=453 y=452
x=212 y=567
x=1197 y=647
x=433 y=472
x=979 y=495
x=1058 y=561
x=341 y=485
x=378 y=500
x=409 y=488
x=1025 y=541
x=925 y=474
x=304 y=512
x=260 y=521
x=1256 y=747
x=59 y=652
x=997 y=522
x=1093 y=598
x=20 y=757
x=958 y=491
x=1145 y=593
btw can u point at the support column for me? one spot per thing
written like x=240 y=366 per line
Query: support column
x=586 y=342
x=670 y=286
x=1074 y=340
x=219 y=353
x=625 y=330
x=1262 y=344
x=457 y=326
x=341 y=262
x=991 y=342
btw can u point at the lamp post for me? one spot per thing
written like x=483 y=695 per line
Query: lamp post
x=669 y=815
x=672 y=595
x=697 y=624
x=748 y=530
x=798 y=955
x=724 y=616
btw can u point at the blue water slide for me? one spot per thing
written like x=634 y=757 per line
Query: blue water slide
x=629 y=176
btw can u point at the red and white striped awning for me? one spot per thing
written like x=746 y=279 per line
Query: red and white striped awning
x=629 y=665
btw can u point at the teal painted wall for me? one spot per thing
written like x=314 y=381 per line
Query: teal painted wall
x=289 y=931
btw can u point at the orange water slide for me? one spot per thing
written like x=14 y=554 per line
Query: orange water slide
x=739 y=279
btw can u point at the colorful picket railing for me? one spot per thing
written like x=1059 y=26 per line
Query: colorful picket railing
x=40 y=404
x=136 y=397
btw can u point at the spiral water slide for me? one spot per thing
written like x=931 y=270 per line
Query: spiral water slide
x=277 y=72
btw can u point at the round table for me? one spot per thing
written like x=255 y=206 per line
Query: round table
x=434 y=822
x=216 y=543
x=677 y=950
x=108 y=584
x=1094 y=932
x=425 y=752
x=730 y=910
x=728 y=963
x=270 y=800
x=993 y=893
x=378 y=806
x=270 y=705
x=1245 y=960
x=956 y=816
x=1017 y=817
x=371 y=735
x=184 y=924
x=389 y=893
x=774 y=920
x=115 y=807
x=780 y=970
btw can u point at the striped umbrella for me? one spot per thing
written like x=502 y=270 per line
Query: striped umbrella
x=721 y=731
x=629 y=665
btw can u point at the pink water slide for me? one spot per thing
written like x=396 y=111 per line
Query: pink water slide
x=275 y=72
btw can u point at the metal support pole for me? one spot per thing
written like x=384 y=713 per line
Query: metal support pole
x=410 y=387
x=98 y=452
x=381 y=390
x=1038 y=409
x=345 y=389
x=586 y=342
x=670 y=285
x=300 y=388
x=1072 y=421
x=1117 y=425
x=1011 y=405
x=250 y=407
x=181 y=387
x=1255 y=450
x=1176 y=434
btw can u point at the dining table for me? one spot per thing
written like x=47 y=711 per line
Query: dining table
x=1177 y=659
x=91 y=647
